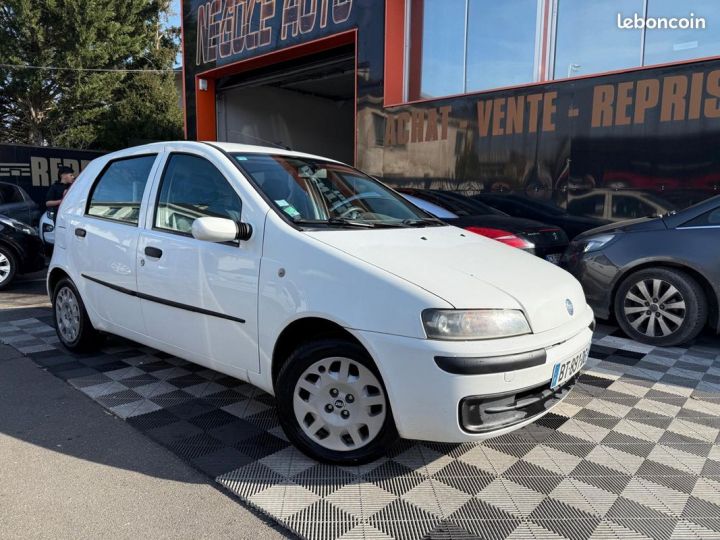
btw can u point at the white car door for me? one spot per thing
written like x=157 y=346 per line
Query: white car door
x=103 y=242
x=197 y=296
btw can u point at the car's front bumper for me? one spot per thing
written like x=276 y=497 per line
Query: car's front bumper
x=597 y=274
x=427 y=401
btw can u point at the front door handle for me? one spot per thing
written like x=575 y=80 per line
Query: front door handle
x=80 y=232
x=153 y=252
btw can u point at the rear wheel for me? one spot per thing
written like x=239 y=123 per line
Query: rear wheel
x=72 y=323
x=662 y=307
x=8 y=267
x=333 y=405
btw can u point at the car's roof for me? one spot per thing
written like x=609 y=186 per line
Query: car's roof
x=224 y=146
x=250 y=148
x=678 y=218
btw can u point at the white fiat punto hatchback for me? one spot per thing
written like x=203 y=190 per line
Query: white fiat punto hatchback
x=365 y=317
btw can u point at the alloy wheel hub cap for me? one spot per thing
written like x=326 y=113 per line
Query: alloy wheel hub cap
x=4 y=267
x=655 y=308
x=67 y=314
x=339 y=404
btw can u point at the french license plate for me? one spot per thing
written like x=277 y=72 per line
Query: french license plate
x=553 y=258
x=562 y=371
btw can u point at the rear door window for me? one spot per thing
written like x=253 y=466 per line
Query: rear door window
x=118 y=191
x=10 y=194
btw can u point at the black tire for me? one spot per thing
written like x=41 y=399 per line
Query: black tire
x=87 y=339
x=13 y=267
x=689 y=294
x=298 y=362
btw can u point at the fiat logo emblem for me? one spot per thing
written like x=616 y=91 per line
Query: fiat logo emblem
x=569 y=307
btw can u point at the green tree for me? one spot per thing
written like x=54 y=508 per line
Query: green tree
x=73 y=105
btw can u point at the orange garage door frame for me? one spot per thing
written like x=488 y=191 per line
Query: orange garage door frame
x=205 y=100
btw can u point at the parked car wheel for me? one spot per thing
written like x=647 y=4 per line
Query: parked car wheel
x=661 y=307
x=71 y=320
x=333 y=404
x=8 y=267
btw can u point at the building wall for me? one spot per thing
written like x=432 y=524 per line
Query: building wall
x=35 y=168
x=555 y=140
x=302 y=122
x=648 y=129
x=273 y=26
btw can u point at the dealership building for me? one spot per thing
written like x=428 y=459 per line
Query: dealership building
x=608 y=109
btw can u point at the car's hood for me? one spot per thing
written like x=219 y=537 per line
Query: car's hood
x=630 y=225
x=466 y=270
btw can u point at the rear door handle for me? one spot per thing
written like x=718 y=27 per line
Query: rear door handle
x=80 y=232
x=153 y=252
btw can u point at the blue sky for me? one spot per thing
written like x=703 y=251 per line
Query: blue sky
x=175 y=8
x=175 y=21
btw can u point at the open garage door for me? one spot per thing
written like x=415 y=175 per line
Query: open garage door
x=307 y=105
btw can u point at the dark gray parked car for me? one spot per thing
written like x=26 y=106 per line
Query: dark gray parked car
x=17 y=204
x=659 y=276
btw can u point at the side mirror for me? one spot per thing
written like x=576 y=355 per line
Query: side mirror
x=213 y=229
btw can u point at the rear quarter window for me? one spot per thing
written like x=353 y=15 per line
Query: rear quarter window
x=708 y=219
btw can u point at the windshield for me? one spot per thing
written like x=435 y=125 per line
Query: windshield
x=309 y=191
x=434 y=209
x=465 y=206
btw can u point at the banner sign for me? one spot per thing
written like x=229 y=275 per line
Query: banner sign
x=35 y=168
x=237 y=28
x=663 y=100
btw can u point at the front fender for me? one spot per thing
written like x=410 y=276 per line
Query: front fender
x=653 y=262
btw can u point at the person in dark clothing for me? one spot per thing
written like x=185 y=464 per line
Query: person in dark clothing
x=57 y=191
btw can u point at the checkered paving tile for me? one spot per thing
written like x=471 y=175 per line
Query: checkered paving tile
x=632 y=452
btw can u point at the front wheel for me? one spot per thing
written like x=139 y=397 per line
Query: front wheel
x=8 y=267
x=662 y=307
x=72 y=323
x=333 y=405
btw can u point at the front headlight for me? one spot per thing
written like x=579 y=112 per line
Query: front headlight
x=471 y=324
x=17 y=225
x=596 y=242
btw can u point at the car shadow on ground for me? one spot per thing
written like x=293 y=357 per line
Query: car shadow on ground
x=25 y=292
x=50 y=414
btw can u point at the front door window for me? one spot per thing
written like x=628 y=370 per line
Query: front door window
x=192 y=187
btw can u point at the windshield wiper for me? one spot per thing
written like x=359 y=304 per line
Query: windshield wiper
x=345 y=222
x=423 y=222
x=350 y=222
x=335 y=221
